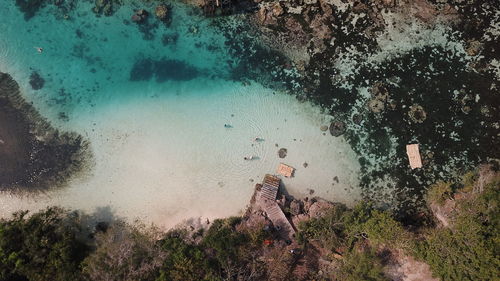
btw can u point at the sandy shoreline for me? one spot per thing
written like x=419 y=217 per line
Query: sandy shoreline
x=168 y=159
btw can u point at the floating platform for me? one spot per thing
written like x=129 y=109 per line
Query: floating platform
x=414 y=156
x=285 y=170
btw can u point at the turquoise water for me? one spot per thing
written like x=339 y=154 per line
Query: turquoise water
x=153 y=106
x=85 y=57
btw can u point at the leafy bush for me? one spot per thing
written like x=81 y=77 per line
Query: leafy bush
x=45 y=246
x=328 y=230
x=184 y=261
x=223 y=238
x=382 y=228
x=439 y=192
x=360 y=265
x=124 y=252
x=469 y=249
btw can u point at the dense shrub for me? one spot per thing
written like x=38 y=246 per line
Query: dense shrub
x=184 y=261
x=361 y=264
x=328 y=229
x=439 y=192
x=124 y=252
x=45 y=246
x=469 y=249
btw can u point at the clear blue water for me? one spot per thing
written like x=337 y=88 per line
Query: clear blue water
x=154 y=112
x=84 y=56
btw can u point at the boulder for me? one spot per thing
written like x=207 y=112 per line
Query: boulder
x=319 y=208
x=417 y=113
x=161 y=12
x=282 y=152
x=337 y=128
x=277 y=10
x=296 y=207
x=140 y=16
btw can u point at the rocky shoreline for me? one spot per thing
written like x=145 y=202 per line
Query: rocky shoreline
x=390 y=73
x=34 y=156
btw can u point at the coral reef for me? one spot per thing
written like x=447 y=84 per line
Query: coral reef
x=106 y=7
x=36 y=81
x=34 y=155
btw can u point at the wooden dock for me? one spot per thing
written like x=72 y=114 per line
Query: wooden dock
x=267 y=200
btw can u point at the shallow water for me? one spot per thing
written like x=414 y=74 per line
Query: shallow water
x=155 y=113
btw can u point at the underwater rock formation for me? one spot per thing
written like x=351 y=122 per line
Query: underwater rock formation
x=140 y=16
x=34 y=155
x=350 y=58
x=30 y=7
x=161 y=12
x=36 y=81
x=417 y=113
x=337 y=128
x=106 y=7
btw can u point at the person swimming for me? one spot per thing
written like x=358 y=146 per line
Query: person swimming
x=39 y=49
x=251 y=157
x=227 y=126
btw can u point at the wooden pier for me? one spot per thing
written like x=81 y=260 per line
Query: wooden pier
x=267 y=200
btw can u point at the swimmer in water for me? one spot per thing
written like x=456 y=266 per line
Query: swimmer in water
x=39 y=49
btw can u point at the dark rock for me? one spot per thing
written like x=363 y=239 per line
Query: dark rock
x=106 y=7
x=101 y=226
x=140 y=16
x=282 y=152
x=36 y=81
x=296 y=207
x=337 y=128
x=135 y=18
x=357 y=119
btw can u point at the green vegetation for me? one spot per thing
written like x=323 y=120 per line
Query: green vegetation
x=184 y=261
x=357 y=243
x=439 y=192
x=469 y=249
x=124 y=252
x=361 y=265
x=45 y=246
